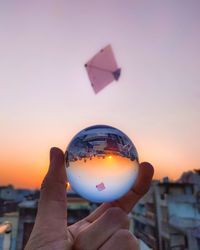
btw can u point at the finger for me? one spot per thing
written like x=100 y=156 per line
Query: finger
x=98 y=232
x=128 y=201
x=122 y=239
x=139 y=189
x=52 y=203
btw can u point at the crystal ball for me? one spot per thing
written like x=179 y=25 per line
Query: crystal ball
x=101 y=163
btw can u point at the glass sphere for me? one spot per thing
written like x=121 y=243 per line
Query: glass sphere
x=101 y=163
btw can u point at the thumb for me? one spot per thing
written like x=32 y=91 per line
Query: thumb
x=54 y=183
x=53 y=201
x=51 y=220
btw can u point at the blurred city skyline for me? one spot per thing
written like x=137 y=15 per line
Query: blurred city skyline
x=46 y=96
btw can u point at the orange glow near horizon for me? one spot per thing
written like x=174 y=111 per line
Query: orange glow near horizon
x=26 y=169
x=68 y=185
x=98 y=169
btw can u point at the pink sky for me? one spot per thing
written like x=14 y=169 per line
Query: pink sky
x=46 y=97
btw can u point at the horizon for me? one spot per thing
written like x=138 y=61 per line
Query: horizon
x=46 y=96
x=68 y=189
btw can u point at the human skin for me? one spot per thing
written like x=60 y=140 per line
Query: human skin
x=104 y=229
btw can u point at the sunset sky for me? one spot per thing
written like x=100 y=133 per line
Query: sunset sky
x=46 y=97
x=117 y=175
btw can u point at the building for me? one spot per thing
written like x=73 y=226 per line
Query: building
x=7 y=192
x=27 y=214
x=77 y=208
x=168 y=216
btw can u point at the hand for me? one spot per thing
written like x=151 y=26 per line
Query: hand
x=106 y=228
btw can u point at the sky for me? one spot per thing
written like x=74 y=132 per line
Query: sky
x=46 y=96
x=98 y=174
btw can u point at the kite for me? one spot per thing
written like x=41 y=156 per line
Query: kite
x=102 y=69
x=100 y=186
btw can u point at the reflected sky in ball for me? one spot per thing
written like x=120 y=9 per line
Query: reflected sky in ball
x=101 y=163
